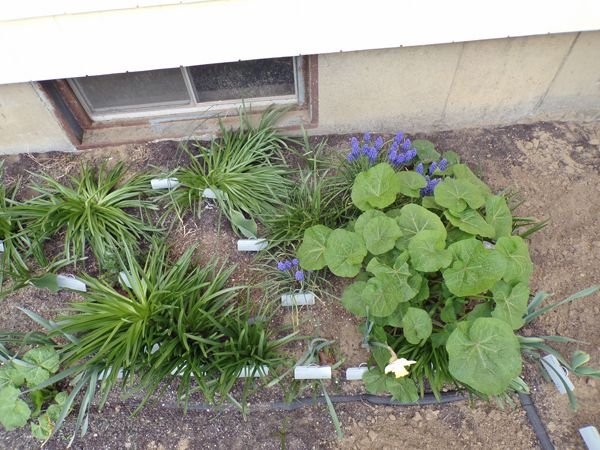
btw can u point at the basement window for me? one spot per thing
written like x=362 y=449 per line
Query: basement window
x=190 y=89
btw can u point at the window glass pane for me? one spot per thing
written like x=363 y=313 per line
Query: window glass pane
x=134 y=89
x=245 y=79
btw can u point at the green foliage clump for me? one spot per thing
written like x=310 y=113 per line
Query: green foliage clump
x=95 y=207
x=440 y=277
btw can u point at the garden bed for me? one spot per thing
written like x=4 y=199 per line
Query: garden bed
x=555 y=168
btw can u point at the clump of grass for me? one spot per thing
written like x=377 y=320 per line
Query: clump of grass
x=93 y=208
x=243 y=167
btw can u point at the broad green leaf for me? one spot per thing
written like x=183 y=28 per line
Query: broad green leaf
x=415 y=218
x=427 y=251
x=411 y=183
x=245 y=226
x=365 y=218
x=498 y=215
x=429 y=202
x=374 y=380
x=381 y=295
x=452 y=158
x=416 y=325
x=352 y=299
x=344 y=253
x=14 y=412
x=516 y=252
x=462 y=172
x=486 y=356
x=45 y=357
x=43 y=428
x=10 y=376
x=452 y=307
x=474 y=268
x=456 y=195
x=470 y=221
x=380 y=234
x=47 y=281
x=375 y=188
x=421 y=285
x=402 y=389
x=511 y=303
x=399 y=274
x=395 y=319
x=35 y=375
x=425 y=150
x=311 y=253
x=456 y=234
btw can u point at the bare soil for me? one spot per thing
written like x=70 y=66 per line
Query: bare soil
x=555 y=167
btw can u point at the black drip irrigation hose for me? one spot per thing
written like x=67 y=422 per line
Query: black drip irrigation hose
x=536 y=422
x=428 y=399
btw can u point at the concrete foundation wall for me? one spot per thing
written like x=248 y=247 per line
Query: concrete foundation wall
x=480 y=83
x=27 y=122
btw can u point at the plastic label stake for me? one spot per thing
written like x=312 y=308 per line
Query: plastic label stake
x=253 y=372
x=251 y=245
x=208 y=193
x=164 y=183
x=591 y=437
x=298 y=299
x=124 y=278
x=312 y=372
x=355 y=373
x=65 y=282
x=561 y=378
x=1 y=246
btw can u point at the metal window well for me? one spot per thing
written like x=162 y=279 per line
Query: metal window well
x=189 y=89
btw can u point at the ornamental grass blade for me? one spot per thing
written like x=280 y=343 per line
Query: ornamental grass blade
x=583 y=293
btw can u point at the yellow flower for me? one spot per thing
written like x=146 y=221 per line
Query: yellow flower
x=398 y=366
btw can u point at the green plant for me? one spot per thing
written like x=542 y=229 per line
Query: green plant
x=90 y=209
x=441 y=280
x=243 y=169
x=21 y=400
x=314 y=198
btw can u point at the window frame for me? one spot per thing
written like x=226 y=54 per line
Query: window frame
x=160 y=109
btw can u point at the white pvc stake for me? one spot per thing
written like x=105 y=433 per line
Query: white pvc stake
x=253 y=372
x=209 y=193
x=591 y=437
x=251 y=245
x=164 y=183
x=312 y=372
x=107 y=372
x=355 y=373
x=124 y=277
x=552 y=366
x=488 y=245
x=299 y=299
x=154 y=348
x=66 y=282
x=1 y=246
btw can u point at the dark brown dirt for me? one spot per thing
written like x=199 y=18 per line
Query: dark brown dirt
x=555 y=167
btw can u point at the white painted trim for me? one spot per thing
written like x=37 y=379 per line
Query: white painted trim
x=186 y=34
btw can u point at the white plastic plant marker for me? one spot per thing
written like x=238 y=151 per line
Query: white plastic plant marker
x=312 y=372
x=591 y=437
x=65 y=282
x=209 y=193
x=154 y=348
x=488 y=245
x=251 y=245
x=253 y=372
x=1 y=245
x=355 y=373
x=124 y=277
x=298 y=299
x=552 y=366
x=107 y=372
x=164 y=183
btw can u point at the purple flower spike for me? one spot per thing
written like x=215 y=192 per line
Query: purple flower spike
x=351 y=157
x=295 y=262
x=354 y=143
x=432 y=167
x=419 y=168
x=299 y=275
x=393 y=155
x=406 y=145
x=399 y=137
x=443 y=165
x=379 y=143
x=281 y=266
x=288 y=264
x=367 y=137
x=411 y=154
x=400 y=159
x=365 y=149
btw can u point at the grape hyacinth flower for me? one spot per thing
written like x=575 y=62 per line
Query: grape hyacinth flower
x=379 y=143
x=281 y=266
x=419 y=168
x=432 y=167
x=431 y=184
x=295 y=262
x=367 y=137
x=299 y=275
x=443 y=165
